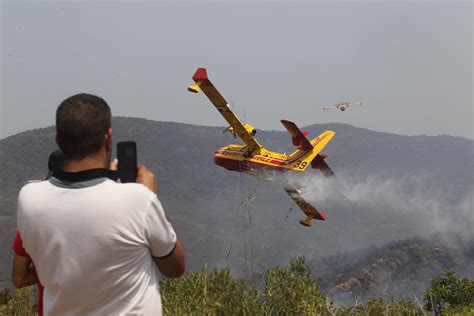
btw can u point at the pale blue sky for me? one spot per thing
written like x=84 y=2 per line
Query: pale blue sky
x=410 y=63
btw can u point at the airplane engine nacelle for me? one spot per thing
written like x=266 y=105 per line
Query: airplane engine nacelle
x=250 y=129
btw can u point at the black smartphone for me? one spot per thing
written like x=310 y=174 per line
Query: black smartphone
x=127 y=161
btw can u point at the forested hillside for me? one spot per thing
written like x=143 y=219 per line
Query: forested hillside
x=388 y=188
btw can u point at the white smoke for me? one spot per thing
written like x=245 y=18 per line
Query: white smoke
x=447 y=207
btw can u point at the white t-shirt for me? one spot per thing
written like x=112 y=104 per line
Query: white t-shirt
x=92 y=244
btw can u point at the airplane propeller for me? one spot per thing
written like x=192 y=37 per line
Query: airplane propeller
x=227 y=129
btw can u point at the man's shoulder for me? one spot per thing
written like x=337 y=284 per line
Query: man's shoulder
x=33 y=186
x=32 y=193
x=131 y=190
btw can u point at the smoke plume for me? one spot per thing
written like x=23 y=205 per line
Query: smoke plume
x=447 y=207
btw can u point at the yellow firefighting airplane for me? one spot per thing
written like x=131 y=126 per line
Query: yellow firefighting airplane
x=253 y=157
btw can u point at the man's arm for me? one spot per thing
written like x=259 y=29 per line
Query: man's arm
x=173 y=265
x=22 y=272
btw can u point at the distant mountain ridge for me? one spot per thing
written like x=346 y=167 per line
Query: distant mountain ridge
x=206 y=202
x=23 y=156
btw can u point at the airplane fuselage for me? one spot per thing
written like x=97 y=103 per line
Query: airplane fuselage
x=233 y=158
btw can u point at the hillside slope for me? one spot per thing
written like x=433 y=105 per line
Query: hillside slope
x=208 y=207
x=399 y=269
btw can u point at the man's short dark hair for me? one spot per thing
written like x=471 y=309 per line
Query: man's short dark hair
x=81 y=124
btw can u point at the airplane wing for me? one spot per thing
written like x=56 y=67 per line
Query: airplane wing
x=355 y=104
x=244 y=131
x=318 y=163
x=310 y=211
x=330 y=107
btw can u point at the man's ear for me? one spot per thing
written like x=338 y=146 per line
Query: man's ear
x=108 y=140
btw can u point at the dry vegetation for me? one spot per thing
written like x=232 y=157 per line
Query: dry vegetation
x=291 y=290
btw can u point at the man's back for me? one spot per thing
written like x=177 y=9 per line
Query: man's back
x=92 y=241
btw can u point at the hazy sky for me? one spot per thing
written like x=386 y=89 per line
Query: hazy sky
x=410 y=63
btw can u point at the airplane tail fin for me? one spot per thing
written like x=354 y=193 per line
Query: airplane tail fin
x=297 y=136
x=308 y=151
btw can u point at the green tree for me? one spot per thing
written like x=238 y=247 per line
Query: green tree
x=447 y=290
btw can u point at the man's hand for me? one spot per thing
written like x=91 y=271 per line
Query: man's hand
x=147 y=178
x=144 y=176
x=114 y=165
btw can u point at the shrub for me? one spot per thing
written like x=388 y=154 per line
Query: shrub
x=215 y=293
x=17 y=303
x=292 y=290
x=377 y=306
x=447 y=290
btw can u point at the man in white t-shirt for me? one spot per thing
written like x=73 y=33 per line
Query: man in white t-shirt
x=96 y=244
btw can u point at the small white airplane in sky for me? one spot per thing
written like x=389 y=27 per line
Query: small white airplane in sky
x=342 y=106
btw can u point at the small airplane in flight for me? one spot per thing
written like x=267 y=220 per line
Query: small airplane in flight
x=342 y=106
x=253 y=158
